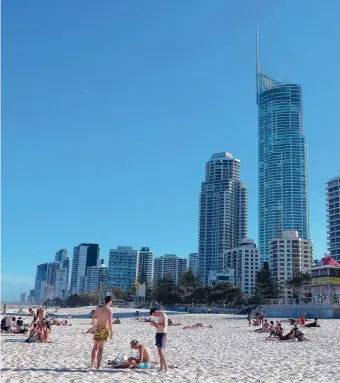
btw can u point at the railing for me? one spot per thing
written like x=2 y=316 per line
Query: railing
x=326 y=300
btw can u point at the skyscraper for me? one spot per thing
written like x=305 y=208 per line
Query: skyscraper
x=169 y=265
x=63 y=274
x=333 y=217
x=223 y=216
x=85 y=255
x=95 y=276
x=194 y=263
x=60 y=255
x=123 y=267
x=40 y=282
x=145 y=268
x=282 y=158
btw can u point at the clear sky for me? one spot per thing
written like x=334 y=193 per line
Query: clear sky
x=110 y=110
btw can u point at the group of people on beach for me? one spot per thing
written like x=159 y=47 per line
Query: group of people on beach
x=39 y=330
x=278 y=331
x=102 y=331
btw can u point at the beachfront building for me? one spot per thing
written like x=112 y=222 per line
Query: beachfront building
x=169 y=265
x=123 y=267
x=245 y=260
x=282 y=159
x=145 y=265
x=85 y=255
x=223 y=211
x=333 y=217
x=289 y=254
x=40 y=282
x=227 y=275
x=96 y=276
x=194 y=263
x=326 y=281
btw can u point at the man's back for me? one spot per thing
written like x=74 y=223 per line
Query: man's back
x=103 y=315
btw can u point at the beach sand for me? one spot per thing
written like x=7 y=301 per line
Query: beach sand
x=230 y=352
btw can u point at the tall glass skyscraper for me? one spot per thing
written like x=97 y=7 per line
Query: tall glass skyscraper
x=223 y=218
x=282 y=158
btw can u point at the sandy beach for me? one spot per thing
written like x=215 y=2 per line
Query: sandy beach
x=229 y=352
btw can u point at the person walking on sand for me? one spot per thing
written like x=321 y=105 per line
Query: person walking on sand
x=161 y=335
x=102 y=330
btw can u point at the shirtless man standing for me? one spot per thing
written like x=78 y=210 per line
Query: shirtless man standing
x=102 y=330
x=161 y=327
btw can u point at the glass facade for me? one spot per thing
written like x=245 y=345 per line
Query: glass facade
x=282 y=157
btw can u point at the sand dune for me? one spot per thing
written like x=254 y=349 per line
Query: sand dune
x=230 y=352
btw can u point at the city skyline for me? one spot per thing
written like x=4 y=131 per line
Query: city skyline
x=86 y=168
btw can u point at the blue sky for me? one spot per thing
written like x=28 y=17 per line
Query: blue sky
x=110 y=110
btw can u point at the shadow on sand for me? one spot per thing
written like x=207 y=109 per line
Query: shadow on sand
x=63 y=370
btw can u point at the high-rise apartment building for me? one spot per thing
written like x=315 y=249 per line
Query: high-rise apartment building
x=123 y=267
x=169 y=265
x=223 y=216
x=62 y=277
x=245 y=259
x=282 y=158
x=60 y=255
x=96 y=275
x=40 y=282
x=194 y=263
x=52 y=271
x=289 y=254
x=85 y=255
x=145 y=267
x=333 y=217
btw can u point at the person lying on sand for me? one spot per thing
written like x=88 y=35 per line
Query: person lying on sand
x=265 y=327
x=288 y=336
x=314 y=324
x=197 y=325
x=144 y=359
x=171 y=323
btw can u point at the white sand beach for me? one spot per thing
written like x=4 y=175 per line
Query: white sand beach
x=229 y=352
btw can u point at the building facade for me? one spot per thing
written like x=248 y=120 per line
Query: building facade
x=145 y=267
x=282 y=159
x=52 y=271
x=123 y=267
x=245 y=260
x=96 y=276
x=193 y=263
x=333 y=217
x=223 y=276
x=289 y=254
x=60 y=255
x=85 y=255
x=223 y=215
x=40 y=282
x=169 y=265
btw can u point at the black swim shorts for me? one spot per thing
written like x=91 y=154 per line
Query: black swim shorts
x=160 y=340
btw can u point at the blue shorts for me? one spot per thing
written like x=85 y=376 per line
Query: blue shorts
x=160 y=340
x=144 y=365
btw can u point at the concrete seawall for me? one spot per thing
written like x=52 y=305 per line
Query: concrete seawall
x=322 y=311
